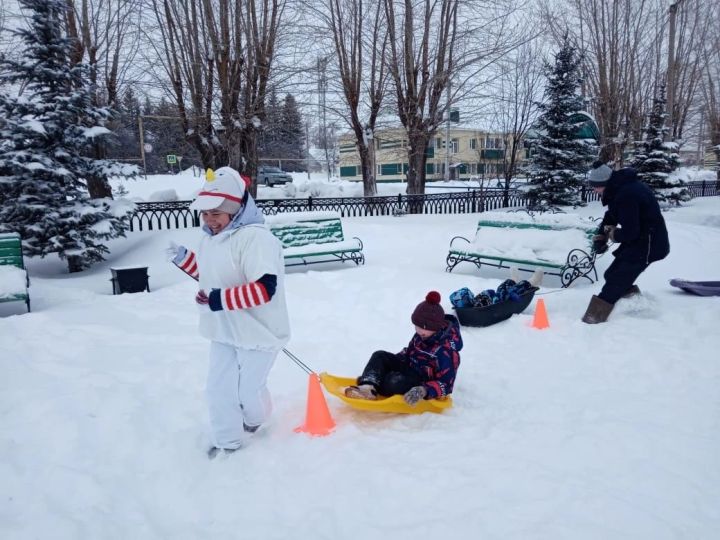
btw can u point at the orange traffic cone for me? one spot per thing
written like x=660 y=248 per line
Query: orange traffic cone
x=540 y=320
x=317 y=417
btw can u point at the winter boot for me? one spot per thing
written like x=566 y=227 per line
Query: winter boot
x=632 y=291
x=598 y=311
x=361 y=391
x=537 y=277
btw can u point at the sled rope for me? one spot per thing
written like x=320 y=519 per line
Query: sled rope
x=299 y=362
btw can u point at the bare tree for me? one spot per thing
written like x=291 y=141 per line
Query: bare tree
x=620 y=47
x=106 y=36
x=217 y=56
x=432 y=57
x=519 y=88
x=359 y=36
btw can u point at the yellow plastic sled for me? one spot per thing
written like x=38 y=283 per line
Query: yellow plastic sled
x=393 y=404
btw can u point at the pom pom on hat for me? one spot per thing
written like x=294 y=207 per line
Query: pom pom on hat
x=433 y=297
x=429 y=314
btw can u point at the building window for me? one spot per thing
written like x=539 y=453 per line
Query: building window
x=490 y=143
x=473 y=144
x=438 y=143
x=454 y=146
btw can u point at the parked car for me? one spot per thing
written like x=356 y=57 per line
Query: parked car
x=271 y=176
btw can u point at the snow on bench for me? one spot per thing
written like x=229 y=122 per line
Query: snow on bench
x=560 y=244
x=314 y=237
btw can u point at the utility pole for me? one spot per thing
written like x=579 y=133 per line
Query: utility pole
x=701 y=141
x=141 y=131
x=446 y=176
x=671 y=68
x=322 y=90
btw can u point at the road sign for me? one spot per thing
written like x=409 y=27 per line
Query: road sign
x=148 y=147
x=171 y=159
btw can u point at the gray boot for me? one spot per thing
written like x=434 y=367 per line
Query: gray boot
x=598 y=311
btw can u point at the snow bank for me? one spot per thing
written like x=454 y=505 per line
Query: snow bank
x=12 y=281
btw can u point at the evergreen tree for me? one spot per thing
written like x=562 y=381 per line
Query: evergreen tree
x=269 y=140
x=559 y=160
x=293 y=134
x=655 y=159
x=46 y=134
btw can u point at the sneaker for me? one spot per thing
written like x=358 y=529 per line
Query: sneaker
x=362 y=391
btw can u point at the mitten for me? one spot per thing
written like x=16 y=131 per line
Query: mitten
x=201 y=298
x=175 y=253
x=415 y=394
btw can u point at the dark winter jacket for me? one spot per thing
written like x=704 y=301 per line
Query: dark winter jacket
x=632 y=206
x=436 y=359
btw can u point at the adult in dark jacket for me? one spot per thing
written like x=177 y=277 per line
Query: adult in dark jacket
x=633 y=220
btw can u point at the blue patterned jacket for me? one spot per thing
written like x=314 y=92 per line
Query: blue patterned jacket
x=436 y=358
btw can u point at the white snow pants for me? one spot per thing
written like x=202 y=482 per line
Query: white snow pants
x=236 y=392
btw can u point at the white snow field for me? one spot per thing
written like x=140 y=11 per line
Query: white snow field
x=599 y=432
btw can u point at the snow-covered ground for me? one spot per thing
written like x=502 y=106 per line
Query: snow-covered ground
x=575 y=432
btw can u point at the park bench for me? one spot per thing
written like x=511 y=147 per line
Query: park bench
x=314 y=237
x=559 y=244
x=14 y=280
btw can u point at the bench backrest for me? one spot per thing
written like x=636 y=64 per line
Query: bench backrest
x=532 y=241
x=11 y=250
x=303 y=233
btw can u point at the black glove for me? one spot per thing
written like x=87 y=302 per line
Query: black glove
x=610 y=231
x=599 y=242
x=415 y=394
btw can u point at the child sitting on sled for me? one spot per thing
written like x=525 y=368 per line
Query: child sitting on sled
x=425 y=369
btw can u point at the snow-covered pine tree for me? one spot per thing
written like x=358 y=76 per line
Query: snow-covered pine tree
x=655 y=160
x=559 y=161
x=46 y=132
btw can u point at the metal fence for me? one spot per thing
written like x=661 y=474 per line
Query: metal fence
x=177 y=215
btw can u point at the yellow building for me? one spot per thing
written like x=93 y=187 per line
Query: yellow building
x=473 y=153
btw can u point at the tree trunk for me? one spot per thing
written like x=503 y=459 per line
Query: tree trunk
x=368 y=172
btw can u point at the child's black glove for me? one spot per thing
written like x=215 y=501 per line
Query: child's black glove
x=415 y=394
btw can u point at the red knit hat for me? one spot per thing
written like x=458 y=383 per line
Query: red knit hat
x=429 y=315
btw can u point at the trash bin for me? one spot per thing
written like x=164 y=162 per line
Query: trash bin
x=130 y=279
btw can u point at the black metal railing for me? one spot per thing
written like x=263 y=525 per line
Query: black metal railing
x=177 y=214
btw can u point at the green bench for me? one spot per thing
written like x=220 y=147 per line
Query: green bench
x=559 y=244
x=14 y=279
x=314 y=237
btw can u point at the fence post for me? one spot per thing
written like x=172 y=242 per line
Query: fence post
x=703 y=189
x=474 y=201
x=310 y=202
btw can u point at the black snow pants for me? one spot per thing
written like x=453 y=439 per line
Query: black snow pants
x=389 y=374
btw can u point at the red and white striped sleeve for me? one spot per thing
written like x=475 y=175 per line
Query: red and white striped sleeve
x=244 y=296
x=188 y=264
